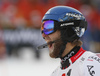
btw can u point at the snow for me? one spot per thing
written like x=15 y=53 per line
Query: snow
x=28 y=65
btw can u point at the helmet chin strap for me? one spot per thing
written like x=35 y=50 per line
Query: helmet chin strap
x=63 y=46
x=64 y=42
x=65 y=39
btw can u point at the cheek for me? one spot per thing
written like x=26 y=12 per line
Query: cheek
x=53 y=38
x=55 y=35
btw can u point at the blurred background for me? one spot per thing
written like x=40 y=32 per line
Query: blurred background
x=20 y=22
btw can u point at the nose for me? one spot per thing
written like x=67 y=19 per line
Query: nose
x=44 y=35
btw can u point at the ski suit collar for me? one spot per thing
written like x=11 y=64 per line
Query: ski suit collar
x=71 y=57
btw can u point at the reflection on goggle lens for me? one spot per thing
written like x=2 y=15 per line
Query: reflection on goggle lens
x=47 y=27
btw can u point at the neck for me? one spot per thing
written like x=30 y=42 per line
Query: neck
x=68 y=48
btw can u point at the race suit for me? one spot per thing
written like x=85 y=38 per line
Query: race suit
x=79 y=62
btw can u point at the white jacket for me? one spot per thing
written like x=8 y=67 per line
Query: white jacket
x=83 y=63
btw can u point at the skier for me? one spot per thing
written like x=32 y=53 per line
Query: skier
x=62 y=27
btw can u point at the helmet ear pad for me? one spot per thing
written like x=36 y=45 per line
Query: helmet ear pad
x=68 y=35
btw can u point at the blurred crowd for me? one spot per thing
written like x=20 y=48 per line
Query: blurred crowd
x=20 y=22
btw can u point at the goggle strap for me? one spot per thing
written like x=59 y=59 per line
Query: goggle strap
x=74 y=23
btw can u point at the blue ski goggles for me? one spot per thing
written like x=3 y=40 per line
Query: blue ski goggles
x=48 y=27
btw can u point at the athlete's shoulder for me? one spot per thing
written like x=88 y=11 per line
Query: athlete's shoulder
x=93 y=57
x=92 y=65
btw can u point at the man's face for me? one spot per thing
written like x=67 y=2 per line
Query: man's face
x=54 y=48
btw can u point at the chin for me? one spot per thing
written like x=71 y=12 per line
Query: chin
x=51 y=53
x=55 y=49
x=54 y=53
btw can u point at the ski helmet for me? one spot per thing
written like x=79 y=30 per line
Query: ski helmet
x=70 y=18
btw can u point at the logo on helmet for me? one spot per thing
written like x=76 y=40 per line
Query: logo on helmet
x=75 y=15
x=71 y=16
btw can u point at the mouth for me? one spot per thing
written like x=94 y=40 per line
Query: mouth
x=50 y=44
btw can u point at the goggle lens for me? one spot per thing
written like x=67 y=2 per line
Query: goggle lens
x=47 y=27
